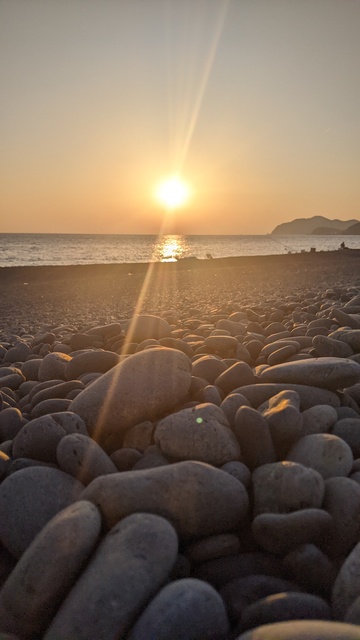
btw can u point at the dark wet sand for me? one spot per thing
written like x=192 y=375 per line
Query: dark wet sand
x=41 y=297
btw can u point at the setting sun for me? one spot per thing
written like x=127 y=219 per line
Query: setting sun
x=172 y=193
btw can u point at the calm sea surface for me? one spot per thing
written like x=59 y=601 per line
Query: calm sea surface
x=61 y=249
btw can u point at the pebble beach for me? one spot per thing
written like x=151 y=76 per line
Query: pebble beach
x=180 y=449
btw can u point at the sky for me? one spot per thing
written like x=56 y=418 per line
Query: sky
x=254 y=103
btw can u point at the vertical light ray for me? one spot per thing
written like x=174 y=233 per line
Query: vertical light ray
x=185 y=144
x=203 y=83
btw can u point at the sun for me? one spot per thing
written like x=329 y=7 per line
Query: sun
x=172 y=193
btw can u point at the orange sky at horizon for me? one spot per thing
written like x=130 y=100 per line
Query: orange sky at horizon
x=256 y=104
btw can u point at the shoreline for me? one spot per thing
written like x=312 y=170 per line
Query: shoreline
x=44 y=296
x=194 y=262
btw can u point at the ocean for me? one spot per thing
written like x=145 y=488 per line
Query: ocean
x=69 y=249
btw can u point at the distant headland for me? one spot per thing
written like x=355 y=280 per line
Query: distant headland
x=318 y=225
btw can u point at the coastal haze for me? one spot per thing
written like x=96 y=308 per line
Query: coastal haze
x=255 y=103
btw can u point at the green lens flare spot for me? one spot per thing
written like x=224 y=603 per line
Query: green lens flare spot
x=199 y=420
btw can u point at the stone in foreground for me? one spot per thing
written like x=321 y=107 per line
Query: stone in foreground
x=30 y=498
x=187 y=609
x=142 y=387
x=129 y=567
x=47 y=570
x=197 y=498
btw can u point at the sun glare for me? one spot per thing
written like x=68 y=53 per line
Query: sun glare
x=172 y=193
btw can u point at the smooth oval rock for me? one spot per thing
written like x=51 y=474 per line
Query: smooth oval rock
x=29 y=498
x=324 y=452
x=199 y=433
x=231 y=404
x=53 y=366
x=310 y=568
x=144 y=326
x=281 y=532
x=209 y=368
x=11 y=421
x=282 y=354
x=237 y=375
x=284 y=419
x=82 y=458
x=328 y=347
x=222 y=344
x=185 y=492
x=285 y=606
x=253 y=434
x=48 y=569
x=186 y=609
x=327 y=373
x=105 y=602
x=39 y=438
x=90 y=361
x=318 y=419
x=141 y=387
x=54 y=405
x=283 y=487
x=225 y=544
x=240 y=592
x=239 y=470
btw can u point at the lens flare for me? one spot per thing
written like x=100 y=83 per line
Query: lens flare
x=172 y=193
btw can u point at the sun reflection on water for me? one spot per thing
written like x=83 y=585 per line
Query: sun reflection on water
x=170 y=248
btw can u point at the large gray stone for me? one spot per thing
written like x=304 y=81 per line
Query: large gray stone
x=39 y=438
x=128 y=568
x=282 y=414
x=142 y=387
x=199 y=433
x=350 y=336
x=209 y=368
x=283 y=487
x=187 y=609
x=328 y=347
x=48 y=569
x=53 y=366
x=318 y=419
x=90 y=361
x=29 y=498
x=238 y=375
x=143 y=327
x=327 y=373
x=82 y=458
x=281 y=532
x=253 y=434
x=240 y=592
x=311 y=568
x=326 y=453
x=197 y=498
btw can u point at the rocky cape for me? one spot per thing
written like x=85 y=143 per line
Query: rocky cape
x=318 y=225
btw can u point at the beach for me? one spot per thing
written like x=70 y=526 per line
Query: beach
x=180 y=449
x=36 y=297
